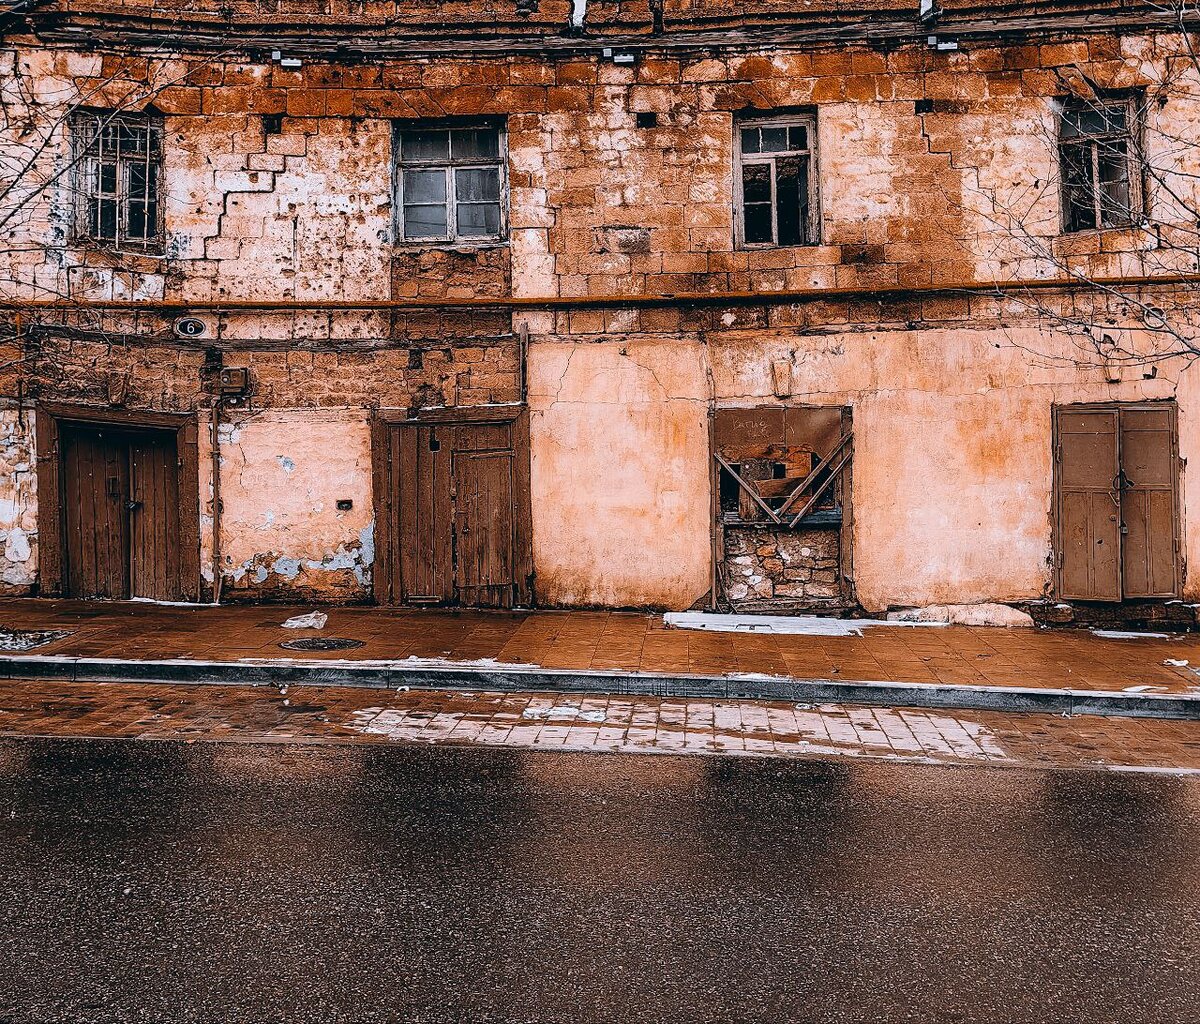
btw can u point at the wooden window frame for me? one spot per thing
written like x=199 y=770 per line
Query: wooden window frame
x=86 y=127
x=452 y=238
x=49 y=420
x=812 y=226
x=1132 y=106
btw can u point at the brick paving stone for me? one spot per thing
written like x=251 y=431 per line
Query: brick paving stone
x=621 y=641
x=599 y=723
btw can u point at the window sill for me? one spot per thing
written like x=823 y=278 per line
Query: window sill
x=419 y=245
x=1089 y=241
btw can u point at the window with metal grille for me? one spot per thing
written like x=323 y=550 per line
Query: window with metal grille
x=117 y=166
x=1101 y=174
x=450 y=183
x=777 y=186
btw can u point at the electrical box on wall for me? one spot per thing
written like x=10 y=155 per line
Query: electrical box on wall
x=235 y=382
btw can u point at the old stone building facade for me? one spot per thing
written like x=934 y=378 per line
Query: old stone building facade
x=767 y=305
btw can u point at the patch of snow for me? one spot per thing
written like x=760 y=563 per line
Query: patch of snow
x=990 y=614
x=1144 y=688
x=313 y=620
x=564 y=713
x=1177 y=662
x=1129 y=634
x=172 y=604
x=797 y=625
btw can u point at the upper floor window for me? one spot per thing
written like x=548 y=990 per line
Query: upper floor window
x=776 y=186
x=116 y=164
x=1099 y=167
x=450 y=183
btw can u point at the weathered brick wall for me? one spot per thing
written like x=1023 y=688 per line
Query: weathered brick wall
x=279 y=185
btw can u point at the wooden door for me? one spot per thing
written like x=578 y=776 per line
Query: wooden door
x=1148 y=502
x=450 y=497
x=95 y=468
x=421 y=467
x=120 y=513
x=153 y=516
x=1116 y=502
x=483 y=527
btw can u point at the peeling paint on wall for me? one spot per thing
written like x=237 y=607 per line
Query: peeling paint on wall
x=18 y=502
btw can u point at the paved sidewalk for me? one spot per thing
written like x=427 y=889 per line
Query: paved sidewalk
x=932 y=666
x=598 y=724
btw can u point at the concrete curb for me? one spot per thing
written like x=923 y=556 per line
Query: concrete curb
x=390 y=675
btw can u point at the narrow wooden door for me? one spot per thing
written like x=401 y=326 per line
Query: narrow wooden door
x=451 y=496
x=1148 y=502
x=1089 y=521
x=153 y=510
x=483 y=527
x=95 y=468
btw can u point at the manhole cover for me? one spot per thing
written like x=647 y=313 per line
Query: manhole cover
x=321 y=643
x=28 y=639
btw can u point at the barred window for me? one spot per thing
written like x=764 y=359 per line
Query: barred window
x=1101 y=175
x=117 y=165
x=777 y=187
x=450 y=183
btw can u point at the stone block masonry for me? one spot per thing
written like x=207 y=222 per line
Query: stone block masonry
x=935 y=174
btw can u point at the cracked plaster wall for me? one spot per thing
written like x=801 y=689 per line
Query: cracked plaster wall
x=952 y=457
x=282 y=535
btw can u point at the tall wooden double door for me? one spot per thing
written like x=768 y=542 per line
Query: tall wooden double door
x=120 y=513
x=453 y=504
x=1116 y=501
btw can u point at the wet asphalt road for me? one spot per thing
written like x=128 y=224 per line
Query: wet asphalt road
x=216 y=882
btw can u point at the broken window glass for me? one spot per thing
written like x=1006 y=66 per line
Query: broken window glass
x=1096 y=164
x=777 y=205
x=451 y=183
x=117 y=160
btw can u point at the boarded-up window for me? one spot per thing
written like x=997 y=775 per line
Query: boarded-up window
x=781 y=466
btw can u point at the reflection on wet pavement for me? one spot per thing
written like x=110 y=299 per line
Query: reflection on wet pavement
x=235 y=882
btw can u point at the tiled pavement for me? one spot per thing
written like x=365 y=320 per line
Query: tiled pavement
x=597 y=724
x=634 y=642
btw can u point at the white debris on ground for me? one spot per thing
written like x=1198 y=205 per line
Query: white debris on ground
x=1129 y=634
x=964 y=615
x=797 y=625
x=1143 y=688
x=313 y=620
x=564 y=713
x=1177 y=662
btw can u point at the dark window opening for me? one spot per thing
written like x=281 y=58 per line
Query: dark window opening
x=777 y=196
x=117 y=161
x=1099 y=171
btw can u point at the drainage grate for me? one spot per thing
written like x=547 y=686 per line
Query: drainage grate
x=27 y=639
x=321 y=643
